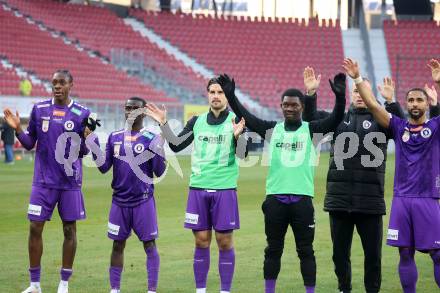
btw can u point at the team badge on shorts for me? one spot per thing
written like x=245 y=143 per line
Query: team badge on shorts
x=45 y=125
x=139 y=148
x=366 y=124
x=426 y=132
x=393 y=234
x=69 y=125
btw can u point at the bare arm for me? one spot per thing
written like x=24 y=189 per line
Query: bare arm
x=379 y=113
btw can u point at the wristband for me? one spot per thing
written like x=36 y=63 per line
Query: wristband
x=358 y=80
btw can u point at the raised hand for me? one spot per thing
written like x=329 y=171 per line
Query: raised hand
x=238 y=127
x=435 y=70
x=228 y=85
x=432 y=94
x=311 y=82
x=387 y=89
x=11 y=119
x=338 y=84
x=159 y=115
x=91 y=123
x=351 y=67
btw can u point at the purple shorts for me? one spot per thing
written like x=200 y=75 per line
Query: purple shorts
x=43 y=201
x=414 y=223
x=141 y=218
x=207 y=209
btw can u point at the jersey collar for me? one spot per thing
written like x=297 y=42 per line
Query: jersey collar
x=68 y=106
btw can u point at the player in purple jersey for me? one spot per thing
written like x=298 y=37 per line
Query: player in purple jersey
x=133 y=205
x=56 y=181
x=415 y=211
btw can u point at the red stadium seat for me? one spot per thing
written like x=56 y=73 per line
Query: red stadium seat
x=410 y=44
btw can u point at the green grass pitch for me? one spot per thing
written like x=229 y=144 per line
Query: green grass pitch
x=176 y=243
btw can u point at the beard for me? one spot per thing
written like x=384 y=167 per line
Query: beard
x=416 y=116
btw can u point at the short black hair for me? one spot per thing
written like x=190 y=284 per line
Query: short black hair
x=66 y=72
x=292 y=92
x=212 y=81
x=137 y=99
x=417 y=89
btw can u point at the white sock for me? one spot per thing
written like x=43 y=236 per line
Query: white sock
x=35 y=284
x=224 y=291
x=151 y=291
x=115 y=291
x=201 y=290
x=64 y=283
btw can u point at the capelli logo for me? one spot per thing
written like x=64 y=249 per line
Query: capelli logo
x=296 y=146
x=213 y=139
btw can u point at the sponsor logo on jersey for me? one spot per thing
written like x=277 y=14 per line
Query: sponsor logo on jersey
x=45 y=125
x=130 y=138
x=426 y=132
x=76 y=111
x=393 y=234
x=59 y=113
x=296 y=146
x=116 y=150
x=148 y=135
x=405 y=136
x=213 y=139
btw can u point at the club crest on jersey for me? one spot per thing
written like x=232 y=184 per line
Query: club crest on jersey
x=116 y=150
x=366 y=124
x=58 y=113
x=45 y=125
x=69 y=125
x=139 y=148
x=405 y=136
x=426 y=132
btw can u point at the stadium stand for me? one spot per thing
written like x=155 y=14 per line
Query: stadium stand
x=265 y=57
x=9 y=83
x=101 y=30
x=40 y=51
x=408 y=57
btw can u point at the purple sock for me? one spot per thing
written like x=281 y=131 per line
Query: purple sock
x=35 y=274
x=270 y=285
x=153 y=263
x=310 y=289
x=435 y=255
x=65 y=274
x=407 y=270
x=226 y=265
x=115 y=277
x=201 y=266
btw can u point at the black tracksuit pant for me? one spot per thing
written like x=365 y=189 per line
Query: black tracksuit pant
x=369 y=228
x=277 y=217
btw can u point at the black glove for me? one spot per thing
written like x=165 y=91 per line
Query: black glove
x=91 y=122
x=228 y=85
x=338 y=85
